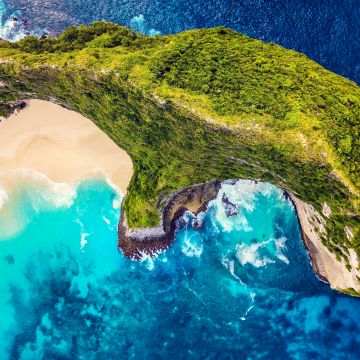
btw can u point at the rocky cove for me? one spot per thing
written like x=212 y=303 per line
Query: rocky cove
x=179 y=128
x=150 y=241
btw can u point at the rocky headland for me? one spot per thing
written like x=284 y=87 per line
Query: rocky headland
x=202 y=105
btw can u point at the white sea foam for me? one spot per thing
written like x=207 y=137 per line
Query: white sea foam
x=232 y=271
x=116 y=204
x=23 y=188
x=246 y=313
x=230 y=265
x=84 y=235
x=138 y=24
x=57 y=194
x=83 y=241
x=39 y=186
x=280 y=245
x=199 y=218
x=3 y=197
x=26 y=187
x=99 y=173
x=242 y=194
x=192 y=247
x=10 y=29
x=249 y=254
x=149 y=260
x=252 y=297
x=107 y=221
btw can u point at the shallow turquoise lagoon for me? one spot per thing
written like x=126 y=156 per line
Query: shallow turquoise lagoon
x=236 y=284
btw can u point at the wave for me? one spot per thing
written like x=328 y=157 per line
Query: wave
x=83 y=236
x=192 y=247
x=230 y=265
x=10 y=28
x=83 y=240
x=249 y=254
x=149 y=260
x=138 y=23
x=37 y=185
x=236 y=200
x=25 y=192
x=280 y=245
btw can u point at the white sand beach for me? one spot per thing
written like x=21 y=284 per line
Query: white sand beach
x=61 y=144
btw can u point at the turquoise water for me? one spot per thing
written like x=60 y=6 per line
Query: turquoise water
x=231 y=287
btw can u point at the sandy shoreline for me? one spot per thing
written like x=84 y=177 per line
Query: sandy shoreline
x=61 y=144
x=66 y=147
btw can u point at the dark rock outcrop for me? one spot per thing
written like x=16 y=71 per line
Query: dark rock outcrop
x=135 y=243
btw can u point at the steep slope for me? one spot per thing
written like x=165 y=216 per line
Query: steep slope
x=204 y=105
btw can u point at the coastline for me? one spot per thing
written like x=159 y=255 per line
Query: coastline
x=61 y=144
x=135 y=243
x=308 y=244
x=324 y=263
x=66 y=147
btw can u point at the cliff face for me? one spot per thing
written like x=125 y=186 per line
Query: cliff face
x=340 y=273
x=134 y=243
x=198 y=106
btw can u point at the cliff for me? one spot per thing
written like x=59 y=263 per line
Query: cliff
x=134 y=243
x=204 y=105
x=340 y=273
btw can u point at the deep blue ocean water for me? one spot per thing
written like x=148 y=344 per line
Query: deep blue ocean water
x=328 y=31
x=231 y=287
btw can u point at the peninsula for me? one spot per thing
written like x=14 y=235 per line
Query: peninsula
x=203 y=106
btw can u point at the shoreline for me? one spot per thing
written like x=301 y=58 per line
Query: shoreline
x=324 y=263
x=66 y=147
x=309 y=246
x=149 y=241
x=61 y=144
x=134 y=243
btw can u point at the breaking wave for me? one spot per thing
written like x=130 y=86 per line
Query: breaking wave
x=249 y=254
x=236 y=282
x=10 y=28
x=139 y=24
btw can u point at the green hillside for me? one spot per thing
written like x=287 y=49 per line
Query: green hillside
x=200 y=105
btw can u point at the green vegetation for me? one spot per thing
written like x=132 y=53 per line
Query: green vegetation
x=351 y=292
x=201 y=105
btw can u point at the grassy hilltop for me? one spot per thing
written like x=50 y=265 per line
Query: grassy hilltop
x=200 y=105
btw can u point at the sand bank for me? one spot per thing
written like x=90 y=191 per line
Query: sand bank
x=61 y=144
